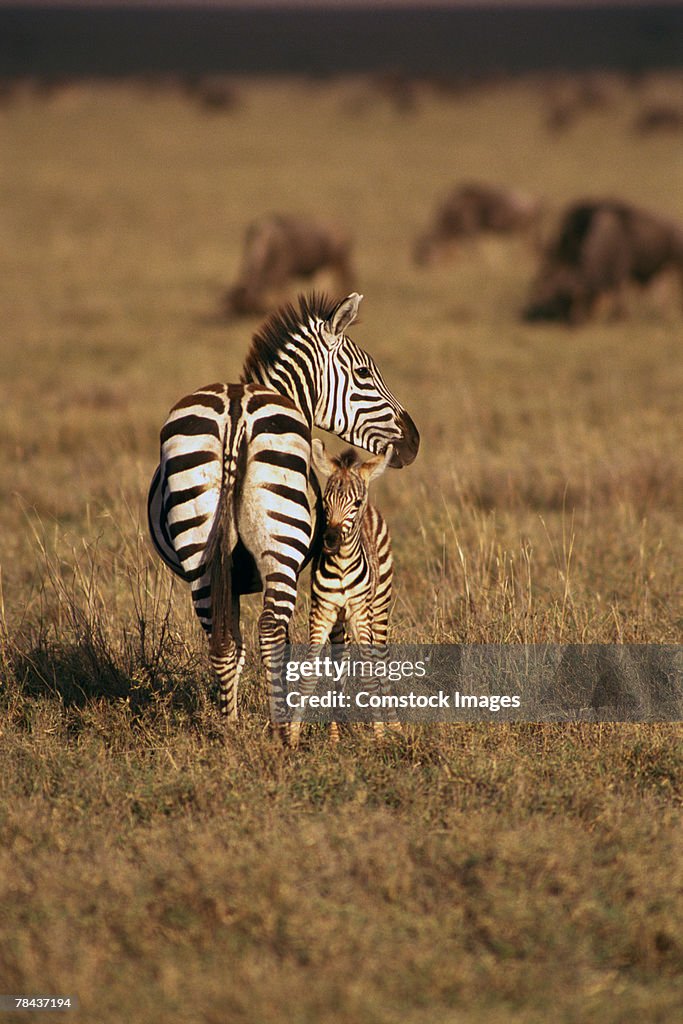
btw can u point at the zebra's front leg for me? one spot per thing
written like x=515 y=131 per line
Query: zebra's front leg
x=360 y=623
x=337 y=640
x=322 y=623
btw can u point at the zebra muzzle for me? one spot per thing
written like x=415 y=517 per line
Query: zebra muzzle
x=332 y=540
x=406 y=447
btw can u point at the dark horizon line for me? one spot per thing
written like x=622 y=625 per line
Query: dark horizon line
x=344 y=7
x=53 y=39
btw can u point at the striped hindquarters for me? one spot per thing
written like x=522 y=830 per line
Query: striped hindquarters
x=185 y=491
x=274 y=513
x=234 y=467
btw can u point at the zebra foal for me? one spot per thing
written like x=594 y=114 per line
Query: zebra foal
x=352 y=575
x=228 y=506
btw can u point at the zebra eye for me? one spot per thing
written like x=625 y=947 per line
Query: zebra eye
x=362 y=372
x=357 y=504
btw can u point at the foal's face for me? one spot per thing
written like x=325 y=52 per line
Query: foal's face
x=346 y=494
x=345 y=501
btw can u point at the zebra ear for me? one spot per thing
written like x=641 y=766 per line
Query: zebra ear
x=344 y=315
x=321 y=460
x=374 y=467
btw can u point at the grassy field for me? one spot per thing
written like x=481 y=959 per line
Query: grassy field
x=164 y=868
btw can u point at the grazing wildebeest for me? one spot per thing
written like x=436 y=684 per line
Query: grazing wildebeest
x=657 y=117
x=473 y=208
x=278 y=249
x=567 y=97
x=214 y=93
x=601 y=246
x=401 y=91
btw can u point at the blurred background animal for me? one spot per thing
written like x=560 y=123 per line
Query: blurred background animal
x=662 y=116
x=213 y=93
x=600 y=248
x=568 y=97
x=471 y=209
x=280 y=249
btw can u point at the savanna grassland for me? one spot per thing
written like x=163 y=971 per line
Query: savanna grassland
x=163 y=867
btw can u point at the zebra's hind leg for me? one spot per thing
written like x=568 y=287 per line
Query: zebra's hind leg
x=218 y=609
x=226 y=666
x=237 y=636
x=226 y=653
x=227 y=656
x=273 y=627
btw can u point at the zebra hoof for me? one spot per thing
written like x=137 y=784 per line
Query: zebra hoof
x=294 y=735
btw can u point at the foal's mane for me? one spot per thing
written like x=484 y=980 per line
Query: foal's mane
x=347 y=460
x=272 y=336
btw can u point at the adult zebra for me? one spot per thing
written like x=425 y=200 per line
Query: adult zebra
x=228 y=505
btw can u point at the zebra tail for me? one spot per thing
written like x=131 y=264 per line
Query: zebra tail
x=221 y=604
x=219 y=557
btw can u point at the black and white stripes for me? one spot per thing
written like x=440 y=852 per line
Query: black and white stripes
x=352 y=575
x=229 y=506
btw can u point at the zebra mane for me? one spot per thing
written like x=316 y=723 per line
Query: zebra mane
x=272 y=336
x=347 y=460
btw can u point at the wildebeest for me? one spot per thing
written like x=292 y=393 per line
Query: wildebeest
x=473 y=208
x=663 y=116
x=278 y=249
x=214 y=93
x=401 y=91
x=600 y=247
x=569 y=96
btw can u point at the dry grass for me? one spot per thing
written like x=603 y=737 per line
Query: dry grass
x=163 y=868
